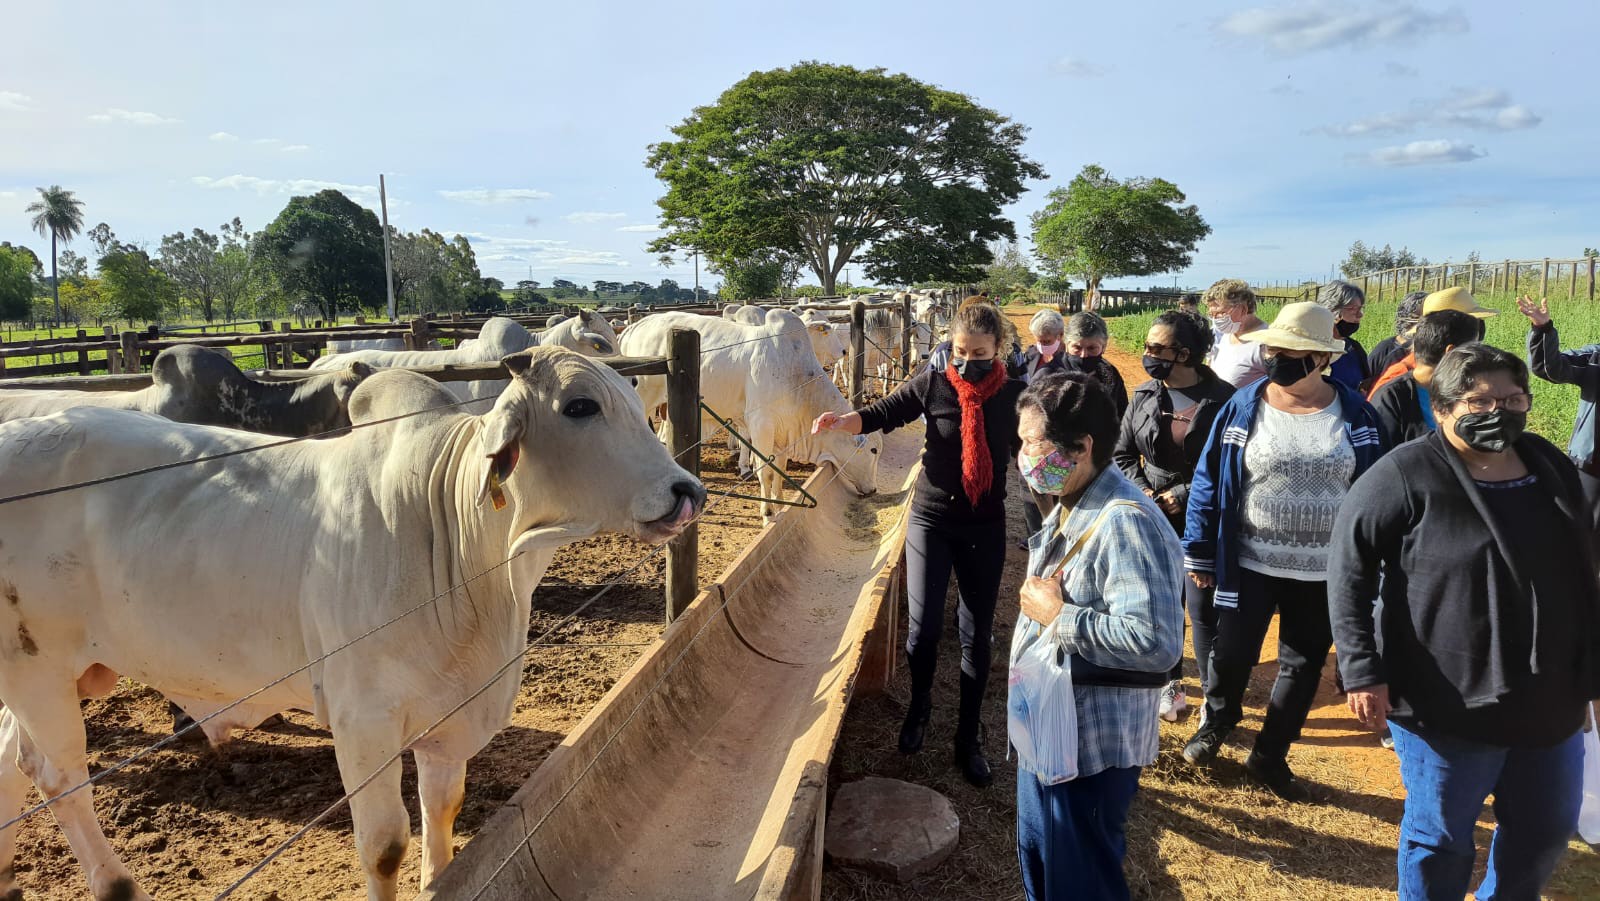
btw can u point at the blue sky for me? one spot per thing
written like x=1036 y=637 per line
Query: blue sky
x=1297 y=128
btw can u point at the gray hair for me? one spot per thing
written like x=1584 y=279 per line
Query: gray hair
x=1085 y=326
x=1339 y=294
x=1047 y=322
x=1464 y=365
x=1409 y=312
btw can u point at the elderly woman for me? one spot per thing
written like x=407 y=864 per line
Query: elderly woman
x=1119 y=619
x=1045 y=355
x=1232 y=307
x=1086 y=339
x=1486 y=648
x=1347 y=302
x=1163 y=437
x=1281 y=457
x=1394 y=348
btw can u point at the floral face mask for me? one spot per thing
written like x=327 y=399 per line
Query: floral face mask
x=1046 y=474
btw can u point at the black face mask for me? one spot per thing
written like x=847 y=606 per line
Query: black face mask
x=1157 y=367
x=1084 y=363
x=1491 y=432
x=1346 y=329
x=1286 y=371
x=972 y=370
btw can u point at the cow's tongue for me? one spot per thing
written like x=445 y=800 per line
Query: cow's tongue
x=685 y=513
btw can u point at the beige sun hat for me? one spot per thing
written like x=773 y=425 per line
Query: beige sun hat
x=1300 y=326
x=1455 y=298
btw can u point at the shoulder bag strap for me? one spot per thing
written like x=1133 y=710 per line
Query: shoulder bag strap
x=1087 y=534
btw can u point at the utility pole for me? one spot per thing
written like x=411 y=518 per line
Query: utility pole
x=388 y=262
x=697 y=276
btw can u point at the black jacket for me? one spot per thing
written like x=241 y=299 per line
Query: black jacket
x=1452 y=595
x=1386 y=353
x=1400 y=414
x=1146 y=453
x=939 y=492
x=1033 y=368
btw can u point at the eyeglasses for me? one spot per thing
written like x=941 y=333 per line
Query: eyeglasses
x=1483 y=403
x=1156 y=350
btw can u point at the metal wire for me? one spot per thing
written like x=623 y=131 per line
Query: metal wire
x=406 y=745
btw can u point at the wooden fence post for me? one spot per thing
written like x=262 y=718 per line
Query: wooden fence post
x=858 y=344
x=683 y=440
x=1472 y=278
x=130 y=352
x=1572 y=282
x=83 y=355
x=1591 y=278
x=1509 y=279
x=2 y=358
x=908 y=325
x=1544 y=279
x=417 y=338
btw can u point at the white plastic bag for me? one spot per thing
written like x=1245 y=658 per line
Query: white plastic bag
x=1589 y=813
x=1041 y=715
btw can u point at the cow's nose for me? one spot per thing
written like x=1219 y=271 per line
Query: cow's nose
x=694 y=491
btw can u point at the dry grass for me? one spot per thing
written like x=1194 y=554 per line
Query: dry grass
x=1191 y=834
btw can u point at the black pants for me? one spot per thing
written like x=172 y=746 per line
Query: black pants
x=976 y=552
x=1202 y=630
x=1304 y=639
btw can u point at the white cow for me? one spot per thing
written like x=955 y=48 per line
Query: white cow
x=767 y=376
x=587 y=333
x=827 y=339
x=341 y=535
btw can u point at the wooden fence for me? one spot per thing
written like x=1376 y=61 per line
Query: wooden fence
x=1569 y=278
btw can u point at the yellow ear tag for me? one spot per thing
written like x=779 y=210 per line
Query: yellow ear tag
x=496 y=495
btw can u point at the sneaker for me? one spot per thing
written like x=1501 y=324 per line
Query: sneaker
x=1387 y=740
x=1277 y=777
x=1174 y=702
x=1204 y=747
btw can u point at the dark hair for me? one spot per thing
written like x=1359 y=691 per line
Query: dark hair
x=1437 y=332
x=1193 y=334
x=1463 y=366
x=1409 y=311
x=1074 y=405
x=978 y=319
x=1189 y=300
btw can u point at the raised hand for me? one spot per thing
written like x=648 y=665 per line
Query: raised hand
x=1538 y=313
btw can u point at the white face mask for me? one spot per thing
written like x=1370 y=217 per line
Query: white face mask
x=1224 y=324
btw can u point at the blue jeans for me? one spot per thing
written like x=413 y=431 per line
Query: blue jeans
x=1537 y=793
x=1072 y=837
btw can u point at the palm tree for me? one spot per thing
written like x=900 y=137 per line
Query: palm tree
x=60 y=216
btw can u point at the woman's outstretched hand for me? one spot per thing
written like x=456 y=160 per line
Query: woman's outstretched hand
x=1538 y=313
x=849 y=423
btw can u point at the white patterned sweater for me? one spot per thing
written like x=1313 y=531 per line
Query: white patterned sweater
x=1297 y=469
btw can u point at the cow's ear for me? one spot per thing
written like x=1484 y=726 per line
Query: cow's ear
x=518 y=363
x=501 y=443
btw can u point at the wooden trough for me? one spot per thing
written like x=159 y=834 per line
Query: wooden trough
x=703 y=772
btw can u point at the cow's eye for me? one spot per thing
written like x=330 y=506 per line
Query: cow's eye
x=581 y=408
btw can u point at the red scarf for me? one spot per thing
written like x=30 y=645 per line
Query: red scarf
x=977 y=468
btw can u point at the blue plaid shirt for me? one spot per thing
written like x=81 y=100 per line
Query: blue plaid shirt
x=1124 y=596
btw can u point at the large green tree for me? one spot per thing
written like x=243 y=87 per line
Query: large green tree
x=328 y=248
x=1098 y=227
x=58 y=215
x=1363 y=259
x=829 y=164
x=17 y=266
x=133 y=286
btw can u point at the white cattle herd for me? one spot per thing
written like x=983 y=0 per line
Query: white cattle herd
x=209 y=581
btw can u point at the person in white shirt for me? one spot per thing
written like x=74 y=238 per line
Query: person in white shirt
x=1232 y=307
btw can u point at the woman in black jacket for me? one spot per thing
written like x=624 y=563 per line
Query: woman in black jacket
x=958 y=515
x=1486 y=648
x=1163 y=436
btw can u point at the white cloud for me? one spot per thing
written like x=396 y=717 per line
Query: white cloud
x=1483 y=110
x=295 y=148
x=1073 y=67
x=642 y=229
x=1309 y=27
x=11 y=100
x=490 y=196
x=588 y=218
x=223 y=137
x=541 y=253
x=132 y=117
x=1426 y=153
x=265 y=186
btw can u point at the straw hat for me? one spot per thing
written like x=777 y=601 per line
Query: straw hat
x=1306 y=325
x=1455 y=298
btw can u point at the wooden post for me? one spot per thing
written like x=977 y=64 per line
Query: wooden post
x=858 y=359
x=1544 y=279
x=1472 y=278
x=1409 y=271
x=1591 y=278
x=908 y=325
x=1508 y=281
x=417 y=338
x=683 y=440
x=2 y=358
x=130 y=352
x=1572 y=282
x=1365 y=291
x=360 y=320
x=83 y=355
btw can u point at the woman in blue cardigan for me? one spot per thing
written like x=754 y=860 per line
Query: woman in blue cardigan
x=1282 y=454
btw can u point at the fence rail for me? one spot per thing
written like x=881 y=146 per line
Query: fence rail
x=1509 y=276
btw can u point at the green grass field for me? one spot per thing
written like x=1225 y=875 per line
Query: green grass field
x=1554 y=406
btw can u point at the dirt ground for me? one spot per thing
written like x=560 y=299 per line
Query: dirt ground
x=189 y=820
x=1191 y=835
